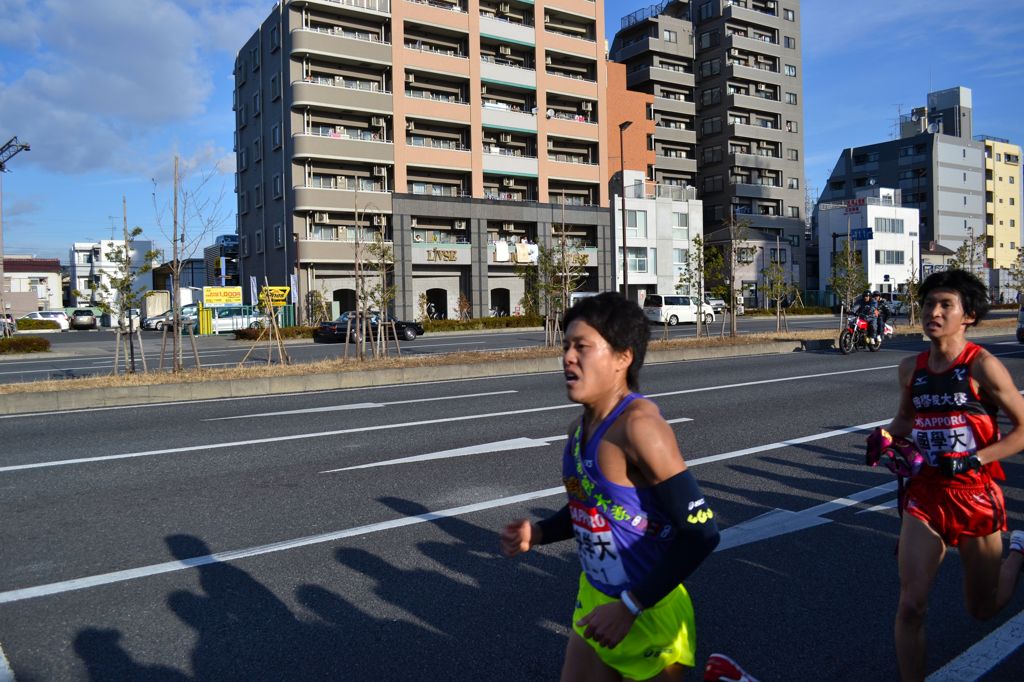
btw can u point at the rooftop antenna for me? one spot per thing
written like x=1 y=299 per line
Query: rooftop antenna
x=896 y=130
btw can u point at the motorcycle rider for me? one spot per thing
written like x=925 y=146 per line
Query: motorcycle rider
x=883 y=313
x=869 y=310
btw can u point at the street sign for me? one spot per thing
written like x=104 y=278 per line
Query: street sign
x=217 y=296
x=862 y=234
x=278 y=295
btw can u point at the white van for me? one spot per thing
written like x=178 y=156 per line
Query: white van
x=675 y=309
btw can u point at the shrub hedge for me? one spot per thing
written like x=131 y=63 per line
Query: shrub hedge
x=511 y=322
x=26 y=325
x=24 y=344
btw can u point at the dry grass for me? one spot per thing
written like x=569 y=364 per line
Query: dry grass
x=254 y=371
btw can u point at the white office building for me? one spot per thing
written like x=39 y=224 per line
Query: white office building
x=91 y=268
x=661 y=223
x=892 y=249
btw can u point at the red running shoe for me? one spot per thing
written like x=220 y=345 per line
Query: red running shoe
x=721 y=668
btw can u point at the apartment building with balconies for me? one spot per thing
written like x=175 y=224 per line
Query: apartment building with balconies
x=456 y=130
x=1002 y=200
x=735 y=128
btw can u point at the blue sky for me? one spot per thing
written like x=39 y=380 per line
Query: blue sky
x=108 y=91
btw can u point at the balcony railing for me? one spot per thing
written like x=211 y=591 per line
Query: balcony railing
x=515 y=108
x=500 y=61
x=343 y=183
x=569 y=34
x=440 y=5
x=566 y=116
x=571 y=158
x=346 y=83
x=346 y=134
x=435 y=143
x=437 y=237
x=372 y=5
x=506 y=151
x=435 y=96
x=419 y=45
x=574 y=76
x=342 y=32
x=525 y=22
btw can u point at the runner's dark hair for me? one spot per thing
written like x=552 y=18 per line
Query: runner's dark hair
x=973 y=293
x=619 y=322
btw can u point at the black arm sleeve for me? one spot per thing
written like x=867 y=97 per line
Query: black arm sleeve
x=556 y=527
x=696 y=537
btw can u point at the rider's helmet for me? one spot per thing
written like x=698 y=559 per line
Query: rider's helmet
x=877 y=294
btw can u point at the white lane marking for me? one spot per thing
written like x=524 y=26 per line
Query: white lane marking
x=362 y=406
x=441 y=345
x=985 y=654
x=728 y=542
x=782 y=522
x=6 y=674
x=480 y=449
x=885 y=506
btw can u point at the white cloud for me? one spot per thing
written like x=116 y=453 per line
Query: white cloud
x=105 y=77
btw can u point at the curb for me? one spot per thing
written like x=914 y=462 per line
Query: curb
x=52 y=401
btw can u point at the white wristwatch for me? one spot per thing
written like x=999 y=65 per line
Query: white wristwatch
x=630 y=604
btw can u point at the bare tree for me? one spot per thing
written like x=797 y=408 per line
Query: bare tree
x=970 y=255
x=737 y=251
x=702 y=265
x=848 y=277
x=912 y=288
x=195 y=211
x=1017 y=274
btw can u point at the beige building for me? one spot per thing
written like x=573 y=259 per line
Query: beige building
x=463 y=131
x=1002 y=200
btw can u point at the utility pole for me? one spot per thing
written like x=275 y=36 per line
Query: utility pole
x=7 y=152
x=622 y=176
x=128 y=269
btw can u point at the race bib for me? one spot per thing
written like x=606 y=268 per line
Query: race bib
x=596 y=546
x=935 y=434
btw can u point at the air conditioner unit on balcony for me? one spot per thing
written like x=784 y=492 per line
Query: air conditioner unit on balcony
x=508 y=226
x=547 y=18
x=508 y=182
x=321 y=217
x=505 y=137
x=377 y=121
x=380 y=220
x=460 y=224
x=551 y=143
x=504 y=7
x=380 y=170
x=762 y=86
x=483 y=89
x=410 y=78
x=413 y=222
x=587 y=106
x=504 y=49
x=734 y=52
x=409 y=125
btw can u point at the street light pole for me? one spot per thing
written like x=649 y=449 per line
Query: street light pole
x=622 y=177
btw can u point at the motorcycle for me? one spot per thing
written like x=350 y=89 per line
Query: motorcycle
x=855 y=336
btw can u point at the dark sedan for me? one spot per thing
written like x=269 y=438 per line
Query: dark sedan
x=336 y=329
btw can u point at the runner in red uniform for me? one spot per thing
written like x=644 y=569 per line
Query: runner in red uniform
x=949 y=398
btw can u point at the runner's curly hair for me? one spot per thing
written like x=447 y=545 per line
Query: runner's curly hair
x=973 y=294
x=619 y=322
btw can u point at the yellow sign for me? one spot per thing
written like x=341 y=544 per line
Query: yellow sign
x=278 y=295
x=215 y=296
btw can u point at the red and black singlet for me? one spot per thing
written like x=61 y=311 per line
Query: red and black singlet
x=951 y=416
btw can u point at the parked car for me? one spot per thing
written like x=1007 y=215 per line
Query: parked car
x=674 y=309
x=230 y=318
x=717 y=304
x=335 y=329
x=58 y=316
x=189 y=315
x=83 y=318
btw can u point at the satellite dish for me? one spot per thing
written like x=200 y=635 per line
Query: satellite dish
x=933 y=127
x=872 y=182
x=550 y=112
x=915 y=117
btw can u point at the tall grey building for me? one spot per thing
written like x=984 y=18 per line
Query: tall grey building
x=935 y=163
x=736 y=66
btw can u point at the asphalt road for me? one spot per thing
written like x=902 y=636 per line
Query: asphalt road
x=89 y=353
x=353 y=533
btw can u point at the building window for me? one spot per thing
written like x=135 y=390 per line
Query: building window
x=275 y=38
x=794 y=211
x=278 y=235
x=650 y=112
x=259 y=241
x=790 y=70
x=243 y=203
x=790 y=98
x=254 y=56
x=275 y=87
x=243 y=159
x=777 y=255
x=636 y=258
x=706 y=11
x=789 y=42
x=1012 y=201
x=243 y=116
x=670 y=36
x=275 y=136
x=793 y=154
x=712 y=154
x=258 y=195
x=789 y=15
x=711 y=126
x=792 y=127
x=1012 y=180
x=794 y=183
x=680 y=227
x=713 y=183
x=680 y=259
x=707 y=39
x=650 y=143
x=1013 y=223
x=711 y=67
x=278 y=186
x=257 y=149
x=883 y=257
x=255 y=104
x=245 y=245
x=636 y=224
x=999 y=157
x=890 y=225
